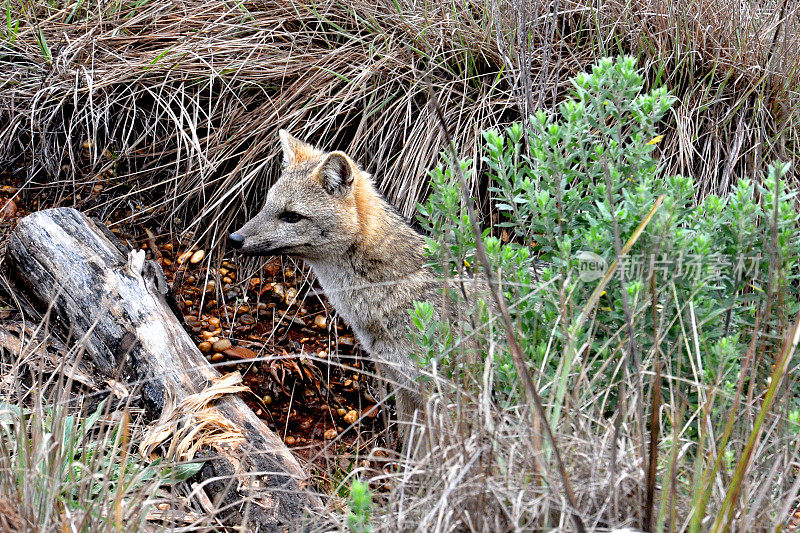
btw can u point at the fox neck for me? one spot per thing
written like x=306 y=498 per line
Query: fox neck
x=378 y=275
x=388 y=252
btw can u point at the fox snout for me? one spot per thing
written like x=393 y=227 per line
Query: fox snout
x=235 y=241
x=253 y=246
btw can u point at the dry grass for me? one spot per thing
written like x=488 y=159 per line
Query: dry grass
x=68 y=458
x=190 y=97
x=487 y=469
x=176 y=106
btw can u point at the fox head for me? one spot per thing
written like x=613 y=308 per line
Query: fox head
x=319 y=207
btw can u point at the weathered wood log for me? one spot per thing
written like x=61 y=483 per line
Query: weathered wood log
x=112 y=305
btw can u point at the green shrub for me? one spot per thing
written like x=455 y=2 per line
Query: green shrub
x=571 y=190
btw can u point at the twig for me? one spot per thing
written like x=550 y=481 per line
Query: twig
x=151 y=238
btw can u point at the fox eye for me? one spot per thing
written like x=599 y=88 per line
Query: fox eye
x=291 y=217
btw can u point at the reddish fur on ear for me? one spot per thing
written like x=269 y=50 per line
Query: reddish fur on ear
x=336 y=173
x=296 y=151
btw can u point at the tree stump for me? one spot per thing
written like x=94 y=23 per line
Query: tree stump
x=114 y=306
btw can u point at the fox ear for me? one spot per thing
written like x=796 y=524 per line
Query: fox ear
x=336 y=173
x=295 y=150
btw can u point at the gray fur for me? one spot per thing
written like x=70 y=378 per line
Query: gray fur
x=368 y=260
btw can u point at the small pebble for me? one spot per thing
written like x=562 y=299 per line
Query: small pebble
x=322 y=354
x=247 y=320
x=188 y=303
x=222 y=345
x=163 y=506
x=228 y=264
x=279 y=290
x=243 y=309
x=330 y=434
x=224 y=271
x=217 y=357
x=226 y=279
x=272 y=268
x=8 y=208
x=98 y=187
x=291 y=440
x=167 y=246
x=320 y=321
x=267 y=399
x=197 y=256
x=255 y=282
x=341 y=411
x=291 y=295
x=346 y=340
x=206 y=334
x=204 y=347
x=184 y=257
x=213 y=321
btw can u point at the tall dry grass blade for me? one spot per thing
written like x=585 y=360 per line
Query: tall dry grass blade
x=729 y=505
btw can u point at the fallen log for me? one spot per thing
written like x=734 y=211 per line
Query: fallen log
x=114 y=305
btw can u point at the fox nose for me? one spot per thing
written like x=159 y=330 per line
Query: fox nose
x=235 y=240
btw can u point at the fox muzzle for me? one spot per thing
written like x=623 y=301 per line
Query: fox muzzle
x=235 y=240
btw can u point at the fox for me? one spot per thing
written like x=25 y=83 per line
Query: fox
x=369 y=261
